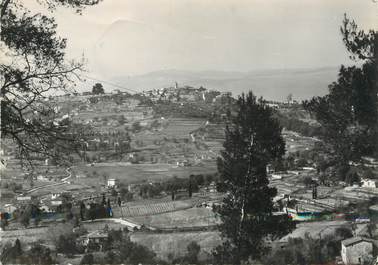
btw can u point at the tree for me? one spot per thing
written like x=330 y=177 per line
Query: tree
x=4 y=221
x=193 y=251
x=253 y=139
x=110 y=257
x=12 y=254
x=136 y=127
x=38 y=254
x=67 y=244
x=25 y=217
x=33 y=63
x=133 y=253
x=87 y=259
x=98 y=89
x=349 y=113
x=289 y=98
x=190 y=188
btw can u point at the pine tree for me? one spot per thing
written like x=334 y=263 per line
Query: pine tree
x=253 y=139
x=349 y=113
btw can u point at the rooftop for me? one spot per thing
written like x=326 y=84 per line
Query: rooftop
x=355 y=240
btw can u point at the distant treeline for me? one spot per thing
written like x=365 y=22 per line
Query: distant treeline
x=299 y=126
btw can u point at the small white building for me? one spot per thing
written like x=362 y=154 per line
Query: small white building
x=55 y=195
x=112 y=183
x=356 y=250
x=369 y=183
x=276 y=176
x=9 y=208
x=23 y=198
x=42 y=178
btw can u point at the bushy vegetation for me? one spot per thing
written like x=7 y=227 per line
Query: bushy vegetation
x=309 y=250
x=348 y=114
x=253 y=139
x=120 y=250
x=37 y=254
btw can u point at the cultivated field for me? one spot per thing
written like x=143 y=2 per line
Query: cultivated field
x=138 y=173
x=193 y=217
x=150 y=208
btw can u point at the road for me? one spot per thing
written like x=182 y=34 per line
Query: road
x=62 y=181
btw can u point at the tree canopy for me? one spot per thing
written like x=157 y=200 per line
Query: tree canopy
x=34 y=66
x=253 y=139
x=349 y=113
x=98 y=89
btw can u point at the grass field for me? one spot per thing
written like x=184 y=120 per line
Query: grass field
x=296 y=142
x=174 y=245
x=139 y=173
x=24 y=235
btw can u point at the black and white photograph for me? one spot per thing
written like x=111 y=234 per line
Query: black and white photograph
x=234 y=132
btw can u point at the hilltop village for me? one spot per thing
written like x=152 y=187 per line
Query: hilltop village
x=146 y=170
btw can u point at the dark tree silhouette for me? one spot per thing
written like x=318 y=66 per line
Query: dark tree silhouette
x=253 y=139
x=33 y=63
x=193 y=251
x=349 y=113
x=98 y=89
x=87 y=259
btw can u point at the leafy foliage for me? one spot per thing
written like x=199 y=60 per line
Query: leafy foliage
x=309 y=250
x=349 y=113
x=33 y=63
x=253 y=139
x=98 y=89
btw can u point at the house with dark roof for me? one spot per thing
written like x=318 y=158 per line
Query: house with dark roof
x=357 y=250
x=94 y=241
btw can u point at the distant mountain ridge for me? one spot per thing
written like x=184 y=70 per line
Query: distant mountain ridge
x=271 y=84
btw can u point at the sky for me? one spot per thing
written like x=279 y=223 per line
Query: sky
x=132 y=37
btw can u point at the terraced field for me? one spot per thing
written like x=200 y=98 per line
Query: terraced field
x=139 y=173
x=151 y=208
x=181 y=128
x=193 y=217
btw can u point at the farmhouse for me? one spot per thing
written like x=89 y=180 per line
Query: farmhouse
x=23 y=199
x=95 y=240
x=42 y=178
x=55 y=195
x=369 y=183
x=9 y=208
x=112 y=183
x=356 y=250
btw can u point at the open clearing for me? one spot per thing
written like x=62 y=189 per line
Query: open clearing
x=138 y=173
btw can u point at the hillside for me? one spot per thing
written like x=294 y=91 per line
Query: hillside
x=271 y=84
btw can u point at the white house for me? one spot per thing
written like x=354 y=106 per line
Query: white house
x=276 y=176
x=23 y=198
x=356 y=250
x=9 y=208
x=112 y=183
x=42 y=178
x=369 y=183
x=55 y=195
